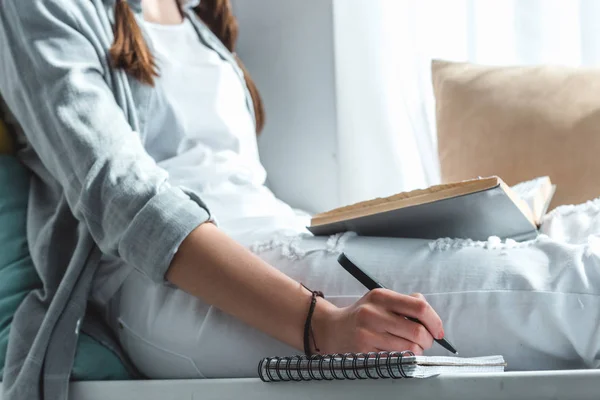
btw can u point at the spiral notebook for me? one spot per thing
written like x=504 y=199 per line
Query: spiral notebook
x=382 y=365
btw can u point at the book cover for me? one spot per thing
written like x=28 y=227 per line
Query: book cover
x=475 y=209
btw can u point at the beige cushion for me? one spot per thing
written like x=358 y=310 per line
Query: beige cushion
x=519 y=123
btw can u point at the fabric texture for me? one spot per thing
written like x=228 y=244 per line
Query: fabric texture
x=94 y=189
x=536 y=303
x=18 y=277
x=519 y=123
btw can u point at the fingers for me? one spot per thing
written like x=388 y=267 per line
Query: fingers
x=395 y=343
x=388 y=342
x=414 y=332
x=385 y=322
x=380 y=323
x=427 y=316
x=411 y=306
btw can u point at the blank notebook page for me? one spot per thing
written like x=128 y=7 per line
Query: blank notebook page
x=431 y=366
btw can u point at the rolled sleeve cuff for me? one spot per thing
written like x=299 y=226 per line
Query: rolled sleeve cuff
x=155 y=234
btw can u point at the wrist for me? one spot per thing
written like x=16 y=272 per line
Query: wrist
x=322 y=326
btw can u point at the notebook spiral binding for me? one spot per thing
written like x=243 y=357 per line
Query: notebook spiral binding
x=352 y=366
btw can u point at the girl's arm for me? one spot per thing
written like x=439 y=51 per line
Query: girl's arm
x=213 y=267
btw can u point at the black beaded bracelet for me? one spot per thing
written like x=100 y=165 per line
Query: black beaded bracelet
x=308 y=324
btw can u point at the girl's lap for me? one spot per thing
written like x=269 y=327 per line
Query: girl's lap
x=536 y=303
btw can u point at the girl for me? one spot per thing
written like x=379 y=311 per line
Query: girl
x=149 y=199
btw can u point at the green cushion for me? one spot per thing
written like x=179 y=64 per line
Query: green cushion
x=18 y=277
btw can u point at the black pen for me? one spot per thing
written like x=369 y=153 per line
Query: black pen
x=371 y=284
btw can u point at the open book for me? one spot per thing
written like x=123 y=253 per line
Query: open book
x=474 y=209
x=372 y=366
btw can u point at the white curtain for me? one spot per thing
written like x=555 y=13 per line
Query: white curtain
x=383 y=51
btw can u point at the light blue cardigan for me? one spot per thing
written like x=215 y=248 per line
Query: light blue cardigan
x=94 y=188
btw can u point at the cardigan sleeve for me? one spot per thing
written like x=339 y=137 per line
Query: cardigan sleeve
x=52 y=79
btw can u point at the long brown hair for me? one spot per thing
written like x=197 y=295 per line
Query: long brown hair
x=131 y=53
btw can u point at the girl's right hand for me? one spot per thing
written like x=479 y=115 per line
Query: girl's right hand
x=377 y=322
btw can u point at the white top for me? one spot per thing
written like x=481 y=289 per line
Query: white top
x=203 y=134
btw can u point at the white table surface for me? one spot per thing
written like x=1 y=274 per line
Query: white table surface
x=569 y=385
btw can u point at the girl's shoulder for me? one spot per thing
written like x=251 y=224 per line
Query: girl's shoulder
x=45 y=25
x=76 y=13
